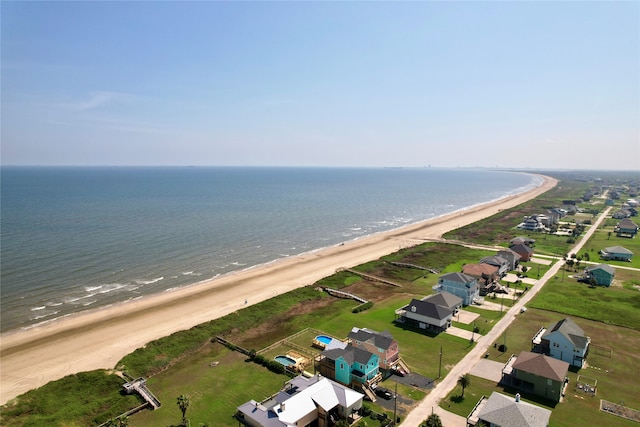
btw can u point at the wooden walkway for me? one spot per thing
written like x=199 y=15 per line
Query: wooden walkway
x=342 y=294
x=371 y=277
x=140 y=386
x=419 y=267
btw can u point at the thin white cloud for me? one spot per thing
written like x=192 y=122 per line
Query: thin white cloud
x=98 y=99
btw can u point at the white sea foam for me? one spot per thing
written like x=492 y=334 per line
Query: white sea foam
x=149 y=282
x=39 y=308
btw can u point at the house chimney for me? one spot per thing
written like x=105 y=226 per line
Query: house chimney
x=517 y=397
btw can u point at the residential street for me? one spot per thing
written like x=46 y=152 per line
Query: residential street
x=440 y=391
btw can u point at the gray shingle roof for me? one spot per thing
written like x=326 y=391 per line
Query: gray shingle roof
x=604 y=267
x=379 y=339
x=429 y=309
x=350 y=353
x=444 y=299
x=505 y=411
x=618 y=250
x=458 y=277
x=570 y=330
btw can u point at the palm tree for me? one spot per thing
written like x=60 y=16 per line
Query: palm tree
x=433 y=421
x=183 y=403
x=464 y=381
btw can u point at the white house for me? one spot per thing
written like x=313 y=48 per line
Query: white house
x=566 y=341
x=303 y=401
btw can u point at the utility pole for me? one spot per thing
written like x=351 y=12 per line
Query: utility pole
x=440 y=366
x=395 y=404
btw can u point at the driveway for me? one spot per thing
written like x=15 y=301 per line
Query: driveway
x=488 y=369
x=466 y=317
x=462 y=333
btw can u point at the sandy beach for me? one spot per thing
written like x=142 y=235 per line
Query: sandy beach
x=100 y=338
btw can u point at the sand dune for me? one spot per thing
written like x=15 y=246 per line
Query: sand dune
x=99 y=339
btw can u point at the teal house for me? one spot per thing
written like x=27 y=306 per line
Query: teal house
x=351 y=366
x=601 y=274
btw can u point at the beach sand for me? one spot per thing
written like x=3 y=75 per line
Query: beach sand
x=100 y=338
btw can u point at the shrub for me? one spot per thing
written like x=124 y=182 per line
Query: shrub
x=362 y=307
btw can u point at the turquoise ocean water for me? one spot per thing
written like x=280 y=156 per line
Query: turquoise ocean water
x=74 y=239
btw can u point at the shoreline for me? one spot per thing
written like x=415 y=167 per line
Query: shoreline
x=34 y=356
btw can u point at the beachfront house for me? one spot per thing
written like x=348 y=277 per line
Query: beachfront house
x=626 y=228
x=601 y=274
x=433 y=313
x=499 y=410
x=380 y=343
x=303 y=401
x=460 y=285
x=497 y=261
x=564 y=340
x=616 y=253
x=537 y=374
x=485 y=274
x=352 y=366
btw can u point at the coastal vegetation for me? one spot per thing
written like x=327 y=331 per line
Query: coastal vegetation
x=182 y=364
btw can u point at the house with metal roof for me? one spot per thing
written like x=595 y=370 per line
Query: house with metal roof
x=616 y=253
x=504 y=411
x=460 y=285
x=303 y=401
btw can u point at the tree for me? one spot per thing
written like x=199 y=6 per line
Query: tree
x=464 y=381
x=183 y=403
x=433 y=421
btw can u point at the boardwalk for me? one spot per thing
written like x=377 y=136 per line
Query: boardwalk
x=371 y=277
x=342 y=294
x=140 y=386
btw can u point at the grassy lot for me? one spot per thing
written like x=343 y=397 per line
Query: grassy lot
x=611 y=370
x=216 y=392
x=602 y=239
x=615 y=305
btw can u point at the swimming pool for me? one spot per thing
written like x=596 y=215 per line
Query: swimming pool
x=324 y=339
x=285 y=360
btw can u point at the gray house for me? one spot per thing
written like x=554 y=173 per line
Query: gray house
x=428 y=313
x=616 y=253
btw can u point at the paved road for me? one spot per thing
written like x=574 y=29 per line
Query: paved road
x=431 y=401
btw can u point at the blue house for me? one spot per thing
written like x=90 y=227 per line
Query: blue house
x=601 y=274
x=460 y=285
x=351 y=366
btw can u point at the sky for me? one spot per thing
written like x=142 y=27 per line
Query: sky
x=542 y=85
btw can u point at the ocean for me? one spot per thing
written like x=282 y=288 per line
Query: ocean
x=74 y=239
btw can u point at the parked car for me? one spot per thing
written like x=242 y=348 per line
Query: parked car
x=384 y=393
